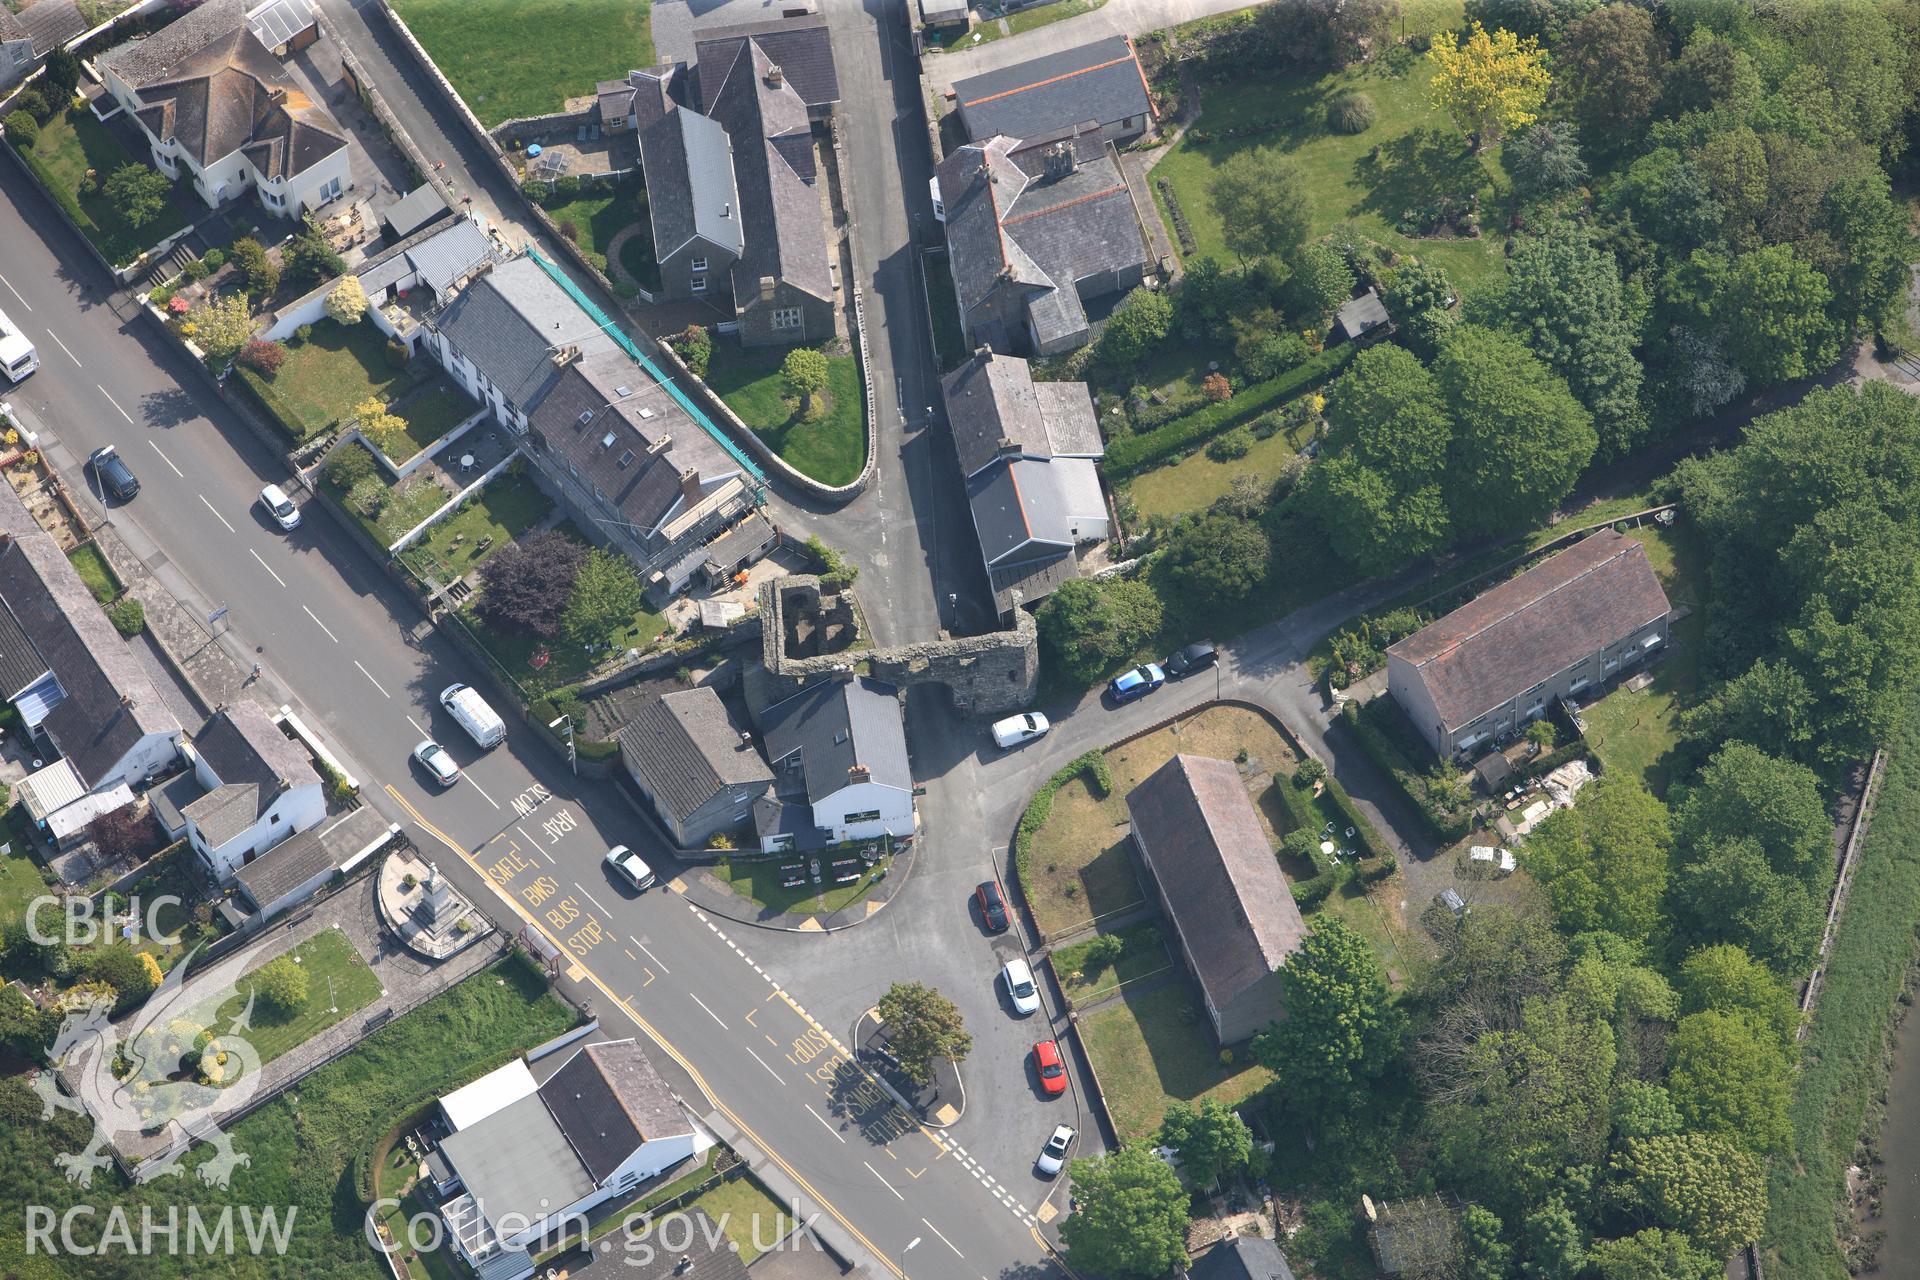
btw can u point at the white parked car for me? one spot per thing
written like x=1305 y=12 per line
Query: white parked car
x=280 y=507
x=1014 y=730
x=1020 y=988
x=630 y=866
x=1053 y=1156
x=434 y=759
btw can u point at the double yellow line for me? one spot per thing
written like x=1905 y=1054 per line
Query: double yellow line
x=653 y=1034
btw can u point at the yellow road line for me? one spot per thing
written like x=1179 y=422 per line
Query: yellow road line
x=694 y=1072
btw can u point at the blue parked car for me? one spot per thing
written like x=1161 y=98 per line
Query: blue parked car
x=1137 y=683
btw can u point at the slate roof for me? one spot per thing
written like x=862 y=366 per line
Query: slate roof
x=439 y=255
x=1241 y=1258
x=607 y=1099
x=799 y=46
x=690 y=187
x=1198 y=831
x=256 y=765
x=1035 y=580
x=834 y=725
x=1361 y=315
x=518 y=1161
x=20 y=663
x=1008 y=228
x=686 y=748
x=709 y=1256
x=154 y=57
x=109 y=704
x=415 y=210
x=48 y=24
x=1535 y=625
x=231 y=95
x=1101 y=82
x=511 y=321
x=993 y=398
x=784 y=220
x=1026 y=501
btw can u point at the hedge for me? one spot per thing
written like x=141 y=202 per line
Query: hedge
x=1130 y=455
x=1377 y=741
x=1040 y=808
x=270 y=404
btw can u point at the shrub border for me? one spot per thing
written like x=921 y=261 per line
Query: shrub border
x=1130 y=455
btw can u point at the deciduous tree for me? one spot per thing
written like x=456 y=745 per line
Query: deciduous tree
x=1490 y=83
x=805 y=373
x=1653 y=1254
x=1136 y=327
x=606 y=596
x=280 y=986
x=1611 y=64
x=1261 y=197
x=1520 y=439
x=1318 y=281
x=347 y=304
x=138 y=193
x=1088 y=627
x=385 y=431
x=220 y=326
x=1706 y=1187
x=127 y=834
x=1130 y=1216
x=922 y=1026
x=1342 y=1031
x=1484 y=1254
x=525 y=585
x=1211 y=1140
x=1604 y=862
x=1725 y=978
x=1729 y=1077
x=1218 y=559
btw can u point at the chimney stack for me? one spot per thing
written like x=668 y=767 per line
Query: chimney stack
x=857 y=773
x=690 y=485
x=1061 y=160
x=766 y=288
x=775 y=76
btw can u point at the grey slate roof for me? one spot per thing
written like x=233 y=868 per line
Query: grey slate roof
x=1009 y=229
x=1361 y=315
x=1197 y=830
x=511 y=321
x=152 y=58
x=709 y=1256
x=230 y=95
x=1034 y=580
x=833 y=726
x=1101 y=82
x=799 y=46
x=109 y=702
x=1028 y=507
x=226 y=811
x=690 y=187
x=607 y=1099
x=1242 y=1258
x=687 y=749
x=784 y=219
x=440 y=256
x=20 y=663
x=245 y=749
x=993 y=398
x=415 y=210
x=47 y=23
x=517 y=1160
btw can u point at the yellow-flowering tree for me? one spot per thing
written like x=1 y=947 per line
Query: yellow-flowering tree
x=1490 y=83
x=387 y=432
x=221 y=326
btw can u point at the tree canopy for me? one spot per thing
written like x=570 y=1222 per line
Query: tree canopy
x=1261 y=197
x=1520 y=439
x=922 y=1027
x=1341 y=1031
x=1130 y=1216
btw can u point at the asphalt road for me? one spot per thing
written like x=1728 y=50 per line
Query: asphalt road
x=518 y=833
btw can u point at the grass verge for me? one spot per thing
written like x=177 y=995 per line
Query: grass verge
x=339 y=985
x=832 y=447
x=95 y=572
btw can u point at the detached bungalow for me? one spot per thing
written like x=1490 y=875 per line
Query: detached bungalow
x=1569 y=623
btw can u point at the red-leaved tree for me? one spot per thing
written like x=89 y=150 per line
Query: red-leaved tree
x=525 y=587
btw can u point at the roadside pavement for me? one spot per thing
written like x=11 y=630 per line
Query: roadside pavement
x=1114 y=18
x=706 y=891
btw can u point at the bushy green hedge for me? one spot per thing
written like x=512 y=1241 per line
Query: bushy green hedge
x=1315 y=889
x=1379 y=741
x=1040 y=808
x=1131 y=454
x=278 y=414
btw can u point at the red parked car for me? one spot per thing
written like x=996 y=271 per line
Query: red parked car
x=1053 y=1072
x=993 y=908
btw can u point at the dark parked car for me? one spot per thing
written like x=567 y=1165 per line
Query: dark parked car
x=1137 y=683
x=1195 y=657
x=114 y=475
x=993 y=908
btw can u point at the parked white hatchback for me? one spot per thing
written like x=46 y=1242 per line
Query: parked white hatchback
x=1014 y=730
x=1020 y=988
x=280 y=507
x=630 y=867
x=1053 y=1156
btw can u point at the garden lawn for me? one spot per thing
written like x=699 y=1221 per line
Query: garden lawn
x=758 y=879
x=660 y=1195
x=95 y=572
x=507 y=507
x=601 y=212
x=1637 y=731
x=527 y=57
x=1197 y=482
x=565 y=663
x=1146 y=954
x=831 y=448
x=20 y=879
x=637 y=258
x=750 y=1215
x=1412 y=154
x=433 y=411
x=301 y=1146
x=1153 y=1049
x=326 y=377
x=339 y=985
x=69 y=145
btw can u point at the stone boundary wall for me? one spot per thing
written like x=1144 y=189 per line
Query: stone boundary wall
x=370 y=97
x=985 y=675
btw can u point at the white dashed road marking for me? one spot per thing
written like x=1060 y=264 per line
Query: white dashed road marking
x=763 y=1062
x=156 y=448
x=710 y=1013
x=823 y=1120
x=643 y=946
x=217 y=516
x=264 y=565
x=115 y=403
x=63 y=347
x=590 y=898
x=883 y=1182
x=15 y=292
x=484 y=796
x=368 y=674
x=336 y=639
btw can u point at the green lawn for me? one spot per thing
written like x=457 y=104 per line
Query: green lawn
x=386 y=510
x=660 y=1195
x=301 y=1146
x=1153 y=1049
x=433 y=411
x=636 y=255
x=510 y=504
x=339 y=985
x=1197 y=482
x=600 y=212
x=832 y=448
x=74 y=142
x=1410 y=155
x=328 y=375
x=527 y=57
x=1082 y=981
x=751 y=1217
x=1636 y=731
x=759 y=880
x=565 y=663
x=95 y=572
x=1028 y=19
x=20 y=879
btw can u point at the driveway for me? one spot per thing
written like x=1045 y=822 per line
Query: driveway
x=1114 y=18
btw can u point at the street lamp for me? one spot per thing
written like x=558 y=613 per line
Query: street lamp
x=911 y=1246
x=573 y=757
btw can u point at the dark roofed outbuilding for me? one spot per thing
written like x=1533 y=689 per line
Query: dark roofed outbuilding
x=1101 y=82
x=699 y=771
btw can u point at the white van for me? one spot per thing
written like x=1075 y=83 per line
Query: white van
x=17 y=356
x=482 y=723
